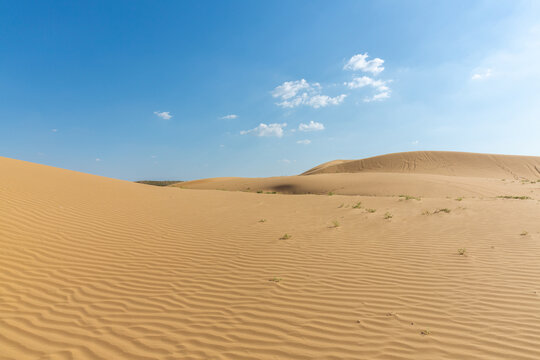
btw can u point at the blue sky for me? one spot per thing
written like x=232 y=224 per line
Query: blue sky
x=185 y=90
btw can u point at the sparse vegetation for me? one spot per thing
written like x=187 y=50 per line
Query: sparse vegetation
x=259 y=191
x=158 y=182
x=459 y=199
x=524 y=233
x=275 y=279
x=285 y=237
x=358 y=205
x=330 y=193
x=387 y=216
x=462 y=251
x=408 y=197
x=262 y=220
x=271 y=192
x=513 y=197
x=371 y=210
x=426 y=212
x=425 y=332
x=335 y=224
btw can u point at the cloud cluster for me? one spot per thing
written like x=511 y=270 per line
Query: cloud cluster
x=359 y=63
x=266 y=130
x=229 y=117
x=301 y=92
x=165 y=115
x=304 y=142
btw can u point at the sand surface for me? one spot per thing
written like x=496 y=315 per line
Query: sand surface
x=96 y=268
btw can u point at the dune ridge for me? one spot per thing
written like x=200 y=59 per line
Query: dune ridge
x=97 y=268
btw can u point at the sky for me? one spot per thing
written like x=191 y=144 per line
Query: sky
x=181 y=90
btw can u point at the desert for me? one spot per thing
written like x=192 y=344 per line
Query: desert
x=426 y=265
x=270 y=180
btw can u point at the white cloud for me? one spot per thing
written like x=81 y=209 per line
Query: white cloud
x=381 y=86
x=318 y=101
x=54 y=130
x=300 y=92
x=312 y=126
x=266 y=130
x=165 y=115
x=304 y=142
x=482 y=75
x=358 y=62
x=415 y=142
x=290 y=89
x=228 y=117
x=98 y=159
x=359 y=82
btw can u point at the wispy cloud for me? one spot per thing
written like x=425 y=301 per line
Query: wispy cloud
x=300 y=92
x=165 y=115
x=304 y=142
x=482 y=75
x=378 y=97
x=54 y=130
x=98 y=159
x=229 y=117
x=312 y=126
x=359 y=63
x=266 y=130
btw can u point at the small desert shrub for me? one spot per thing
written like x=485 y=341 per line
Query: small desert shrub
x=408 y=197
x=426 y=212
x=445 y=210
x=462 y=251
x=513 y=197
x=330 y=193
x=335 y=224
x=387 y=216
x=271 y=192
x=425 y=332
x=262 y=220
x=459 y=199
x=285 y=237
x=524 y=233
x=275 y=279
x=259 y=191
x=371 y=210
x=358 y=205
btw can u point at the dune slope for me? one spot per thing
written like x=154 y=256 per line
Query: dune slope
x=96 y=268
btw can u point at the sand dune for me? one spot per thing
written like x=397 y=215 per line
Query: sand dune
x=439 y=163
x=96 y=268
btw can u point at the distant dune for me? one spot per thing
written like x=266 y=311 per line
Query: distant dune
x=439 y=163
x=423 y=173
x=424 y=266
